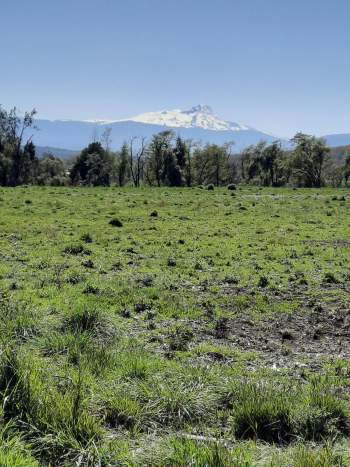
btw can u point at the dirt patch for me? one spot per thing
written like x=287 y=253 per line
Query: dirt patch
x=301 y=339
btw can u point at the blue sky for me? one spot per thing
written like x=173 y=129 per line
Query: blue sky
x=278 y=65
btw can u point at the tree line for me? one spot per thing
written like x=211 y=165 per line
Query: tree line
x=166 y=160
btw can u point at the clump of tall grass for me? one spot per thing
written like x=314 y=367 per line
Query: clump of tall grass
x=186 y=452
x=122 y=410
x=177 y=403
x=54 y=418
x=302 y=455
x=17 y=321
x=14 y=452
x=319 y=413
x=261 y=411
x=90 y=321
x=279 y=414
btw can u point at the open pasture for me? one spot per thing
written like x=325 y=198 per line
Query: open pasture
x=175 y=326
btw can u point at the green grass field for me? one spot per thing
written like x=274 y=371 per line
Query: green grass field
x=175 y=327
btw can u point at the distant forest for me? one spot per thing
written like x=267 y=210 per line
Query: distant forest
x=168 y=160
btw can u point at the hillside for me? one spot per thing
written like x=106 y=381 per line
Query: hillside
x=198 y=123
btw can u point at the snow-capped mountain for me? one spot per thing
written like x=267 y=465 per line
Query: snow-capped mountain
x=199 y=116
x=198 y=123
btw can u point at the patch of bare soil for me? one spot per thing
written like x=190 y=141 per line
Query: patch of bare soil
x=298 y=340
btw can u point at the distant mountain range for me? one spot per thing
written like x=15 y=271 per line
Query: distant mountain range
x=341 y=139
x=66 y=137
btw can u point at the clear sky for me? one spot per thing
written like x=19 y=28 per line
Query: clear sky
x=278 y=65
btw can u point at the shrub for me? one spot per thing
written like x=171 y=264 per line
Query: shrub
x=210 y=187
x=231 y=187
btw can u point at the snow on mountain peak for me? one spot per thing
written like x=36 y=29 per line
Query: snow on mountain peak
x=199 y=116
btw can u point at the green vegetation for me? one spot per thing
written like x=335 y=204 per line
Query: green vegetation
x=158 y=326
x=168 y=160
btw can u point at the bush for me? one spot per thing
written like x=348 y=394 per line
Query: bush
x=231 y=187
x=210 y=187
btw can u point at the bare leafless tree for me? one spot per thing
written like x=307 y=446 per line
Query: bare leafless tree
x=136 y=158
x=106 y=139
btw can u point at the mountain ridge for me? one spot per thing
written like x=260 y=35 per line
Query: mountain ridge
x=198 y=123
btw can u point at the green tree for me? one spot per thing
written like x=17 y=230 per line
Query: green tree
x=92 y=167
x=18 y=160
x=308 y=159
x=122 y=164
x=346 y=167
x=51 y=171
x=180 y=152
x=171 y=175
x=158 y=151
x=211 y=164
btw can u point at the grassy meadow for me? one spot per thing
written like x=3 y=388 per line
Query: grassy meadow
x=174 y=327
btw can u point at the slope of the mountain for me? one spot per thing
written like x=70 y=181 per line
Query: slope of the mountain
x=200 y=116
x=58 y=152
x=341 y=139
x=198 y=123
